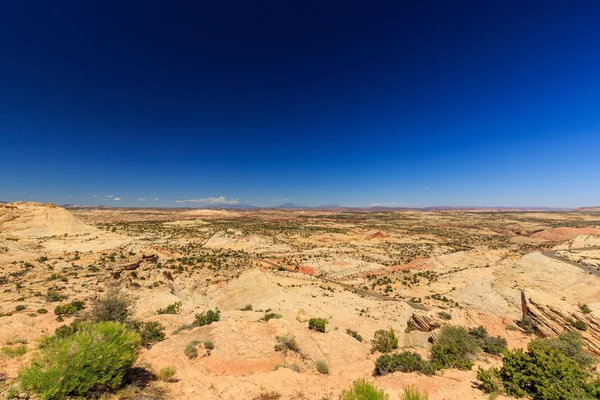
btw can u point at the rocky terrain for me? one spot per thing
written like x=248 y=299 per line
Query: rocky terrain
x=412 y=271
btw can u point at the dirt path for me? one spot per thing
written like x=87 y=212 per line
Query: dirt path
x=554 y=255
x=356 y=290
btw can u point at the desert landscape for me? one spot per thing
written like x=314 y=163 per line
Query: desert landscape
x=296 y=304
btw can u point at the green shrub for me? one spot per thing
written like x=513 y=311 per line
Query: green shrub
x=42 y=311
x=150 y=332
x=191 y=351
x=453 y=348
x=546 y=371
x=527 y=324
x=209 y=345
x=407 y=361
x=322 y=367
x=54 y=296
x=577 y=324
x=384 y=341
x=413 y=393
x=494 y=345
x=445 y=315
x=112 y=307
x=490 y=380
x=585 y=308
x=354 y=334
x=207 y=318
x=317 y=324
x=247 y=307
x=20 y=307
x=166 y=374
x=269 y=316
x=95 y=356
x=13 y=352
x=69 y=308
x=287 y=343
x=364 y=390
x=478 y=333
x=174 y=308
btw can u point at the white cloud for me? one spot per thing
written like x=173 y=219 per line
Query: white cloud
x=117 y=199
x=391 y=204
x=156 y=199
x=427 y=188
x=211 y=201
x=95 y=195
x=109 y=197
x=142 y=199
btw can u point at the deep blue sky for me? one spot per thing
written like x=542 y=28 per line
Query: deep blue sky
x=356 y=102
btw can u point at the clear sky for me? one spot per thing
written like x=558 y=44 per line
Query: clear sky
x=420 y=103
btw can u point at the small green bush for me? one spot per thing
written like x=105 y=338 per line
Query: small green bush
x=20 y=307
x=317 y=324
x=174 y=308
x=112 y=307
x=54 y=296
x=478 y=333
x=384 y=341
x=69 y=308
x=269 y=316
x=490 y=380
x=577 y=324
x=413 y=393
x=322 y=367
x=354 y=334
x=494 y=345
x=42 y=311
x=453 y=348
x=95 y=356
x=364 y=390
x=585 y=308
x=287 y=343
x=445 y=315
x=207 y=318
x=209 y=345
x=407 y=361
x=150 y=332
x=247 y=307
x=166 y=374
x=191 y=351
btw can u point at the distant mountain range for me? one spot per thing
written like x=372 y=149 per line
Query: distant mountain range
x=337 y=207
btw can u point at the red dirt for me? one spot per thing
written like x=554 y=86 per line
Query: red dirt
x=564 y=234
x=305 y=269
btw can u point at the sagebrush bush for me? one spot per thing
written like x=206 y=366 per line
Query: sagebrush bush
x=546 y=371
x=269 y=316
x=454 y=347
x=585 y=308
x=150 y=332
x=384 y=341
x=166 y=374
x=69 y=308
x=322 y=367
x=174 y=308
x=445 y=315
x=287 y=343
x=94 y=356
x=364 y=390
x=317 y=324
x=407 y=361
x=190 y=350
x=207 y=317
x=112 y=307
x=354 y=334
x=494 y=345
